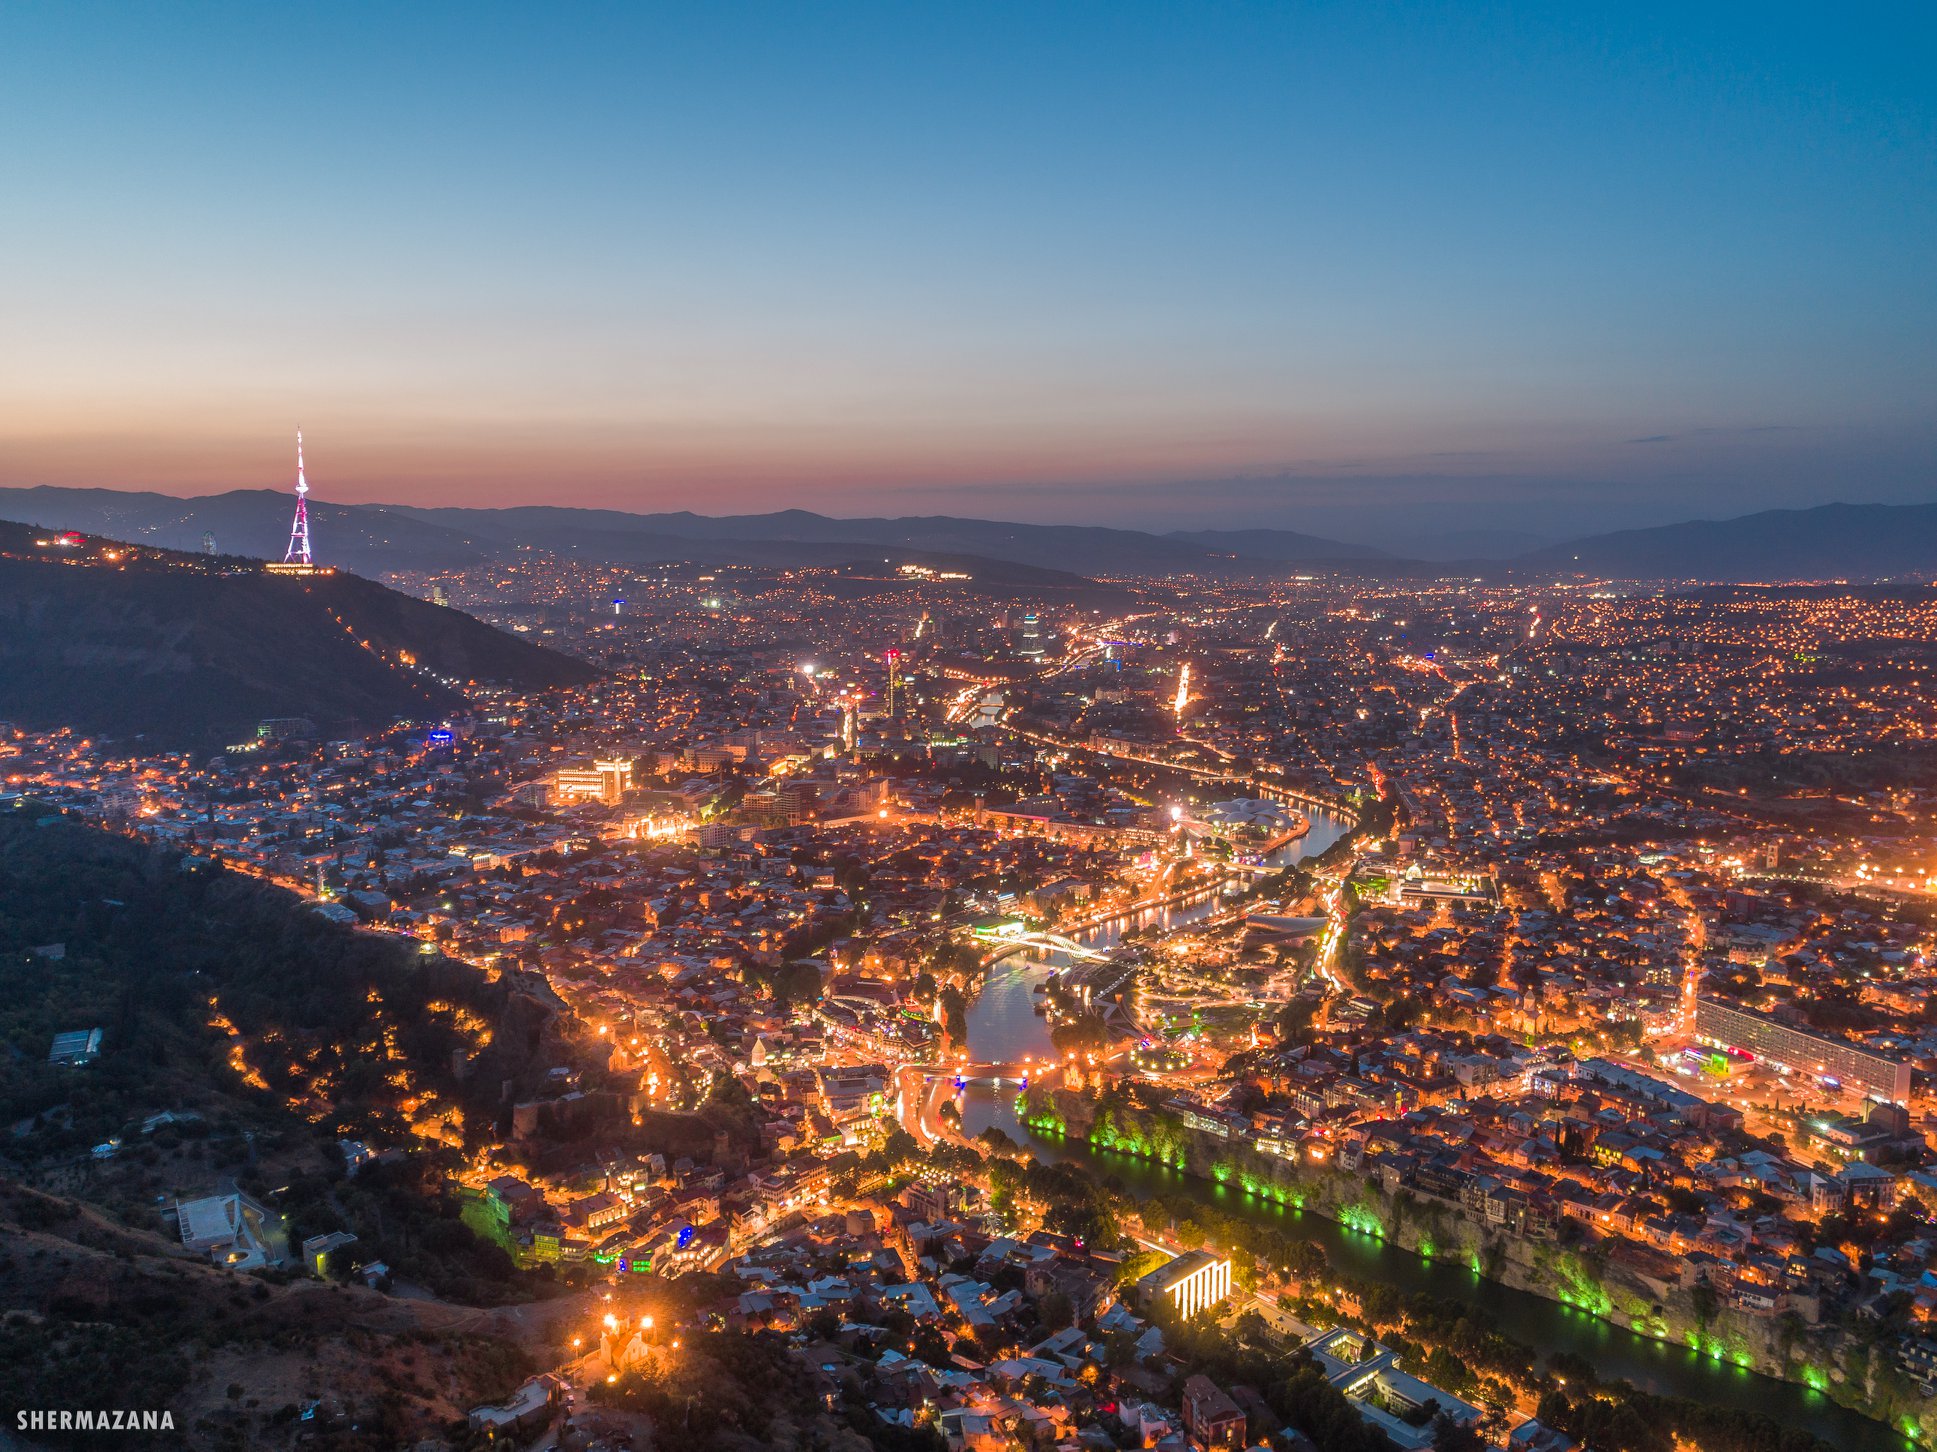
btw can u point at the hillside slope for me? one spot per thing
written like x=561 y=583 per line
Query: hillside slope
x=193 y=648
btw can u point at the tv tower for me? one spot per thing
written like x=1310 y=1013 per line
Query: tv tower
x=298 y=552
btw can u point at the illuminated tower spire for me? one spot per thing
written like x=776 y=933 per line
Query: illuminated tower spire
x=298 y=552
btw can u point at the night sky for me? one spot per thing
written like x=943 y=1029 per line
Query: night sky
x=1365 y=270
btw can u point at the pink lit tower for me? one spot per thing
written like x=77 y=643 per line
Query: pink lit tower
x=298 y=552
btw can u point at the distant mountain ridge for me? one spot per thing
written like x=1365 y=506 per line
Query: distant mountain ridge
x=189 y=649
x=1829 y=541
x=1281 y=545
x=373 y=538
x=1084 y=549
x=368 y=539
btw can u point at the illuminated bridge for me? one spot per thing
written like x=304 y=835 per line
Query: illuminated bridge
x=1026 y=938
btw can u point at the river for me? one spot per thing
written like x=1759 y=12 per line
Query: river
x=1003 y=1028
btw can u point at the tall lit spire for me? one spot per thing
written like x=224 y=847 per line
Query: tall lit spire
x=298 y=552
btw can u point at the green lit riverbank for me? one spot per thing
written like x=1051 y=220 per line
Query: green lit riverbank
x=1359 y=1246
x=1004 y=1028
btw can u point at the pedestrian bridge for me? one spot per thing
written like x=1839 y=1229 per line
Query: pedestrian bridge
x=1040 y=942
x=1060 y=944
x=963 y=1076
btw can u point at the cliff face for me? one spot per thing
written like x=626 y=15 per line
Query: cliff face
x=1594 y=1277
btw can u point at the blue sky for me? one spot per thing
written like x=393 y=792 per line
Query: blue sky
x=1347 y=268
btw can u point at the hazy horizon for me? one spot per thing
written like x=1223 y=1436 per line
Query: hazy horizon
x=1368 y=275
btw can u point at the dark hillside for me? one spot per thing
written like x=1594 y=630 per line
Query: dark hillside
x=242 y=1036
x=222 y=994
x=118 y=641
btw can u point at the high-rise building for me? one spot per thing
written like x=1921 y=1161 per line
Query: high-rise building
x=606 y=780
x=1192 y=1282
x=1836 y=1061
